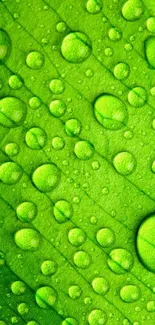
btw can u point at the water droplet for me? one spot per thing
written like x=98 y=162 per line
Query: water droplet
x=57 y=86
x=32 y=322
x=151 y=306
x=114 y=34
x=26 y=211
x=12 y=112
x=149 y=50
x=2 y=259
x=58 y=143
x=121 y=71
x=15 y=82
x=120 y=261
x=12 y=149
x=100 y=285
x=69 y=321
x=48 y=267
x=76 y=236
x=14 y=320
x=27 y=239
x=22 y=309
x=57 y=108
x=93 y=220
x=35 y=138
x=76 y=47
x=18 y=288
x=2 y=322
x=82 y=259
x=108 y=51
x=105 y=190
x=132 y=10
x=153 y=167
x=5 y=44
x=89 y=73
x=146 y=243
x=137 y=97
x=35 y=102
x=124 y=163
x=97 y=317
x=110 y=112
x=35 y=60
x=46 y=177
x=46 y=297
x=94 y=6
x=84 y=150
x=130 y=293
x=151 y=24
x=74 y=292
x=73 y=127
x=95 y=165
x=63 y=211
x=105 y=237
x=128 y=135
x=10 y=173
x=61 y=27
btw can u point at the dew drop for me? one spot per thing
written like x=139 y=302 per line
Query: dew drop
x=105 y=237
x=12 y=149
x=15 y=82
x=121 y=71
x=57 y=108
x=12 y=112
x=35 y=138
x=46 y=177
x=5 y=45
x=150 y=50
x=114 y=34
x=27 y=239
x=110 y=112
x=89 y=73
x=69 y=321
x=73 y=127
x=2 y=259
x=84 y=150
x=10 y=173
x=130 y=293
x=35 y=60
x=18 y=288
x=124 y=163
x=151 y=306
x=76 y=237
x=153 y=167
x=76 y=47
x=97 y=317
x=32 y=322
x=61 y=27
x=120 y=261
x=74 y=292
x=35 y=102
x=26 y=211
x=100 y=285
x=95 y=165
x=57 y=86
x=151 y=25
x=22 y=309
x=58 y=143
x=82 y=259
x=128 y=135
x=46 y=297
x=132 y=10
x=48 y=268
x=63 y=211
x=137 y=97
x=94 y=6
x=146 y=243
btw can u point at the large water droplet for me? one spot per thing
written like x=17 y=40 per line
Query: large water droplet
x=137 y=97
x=63 y=211
x=5 y=44
x=57 y=86
x=26 y=211
x=105 y=237
x=132 y=10
x=46 y=177
x=35 y=60
x=35 y=102
x=100 y=285
x=27 y=239
x=146 y=243
x=76 y=237
x=110 y=112
x=130 y=293
x=84 y=150
x=46 y=297
x=10 y=173
x=120 y=261
x=48 y=267
x=73 y=127
x=35 y=138
x=12 y=112
x=15 y=82
x=94 y=6
x=57 y=108
x=97 y=317
x=121 y=71
x=150 y=50
x=124 y=163
x=82 y=259
x=76 y=47
x=18 y=288
x=74 y=292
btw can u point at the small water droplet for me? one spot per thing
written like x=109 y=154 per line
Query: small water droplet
x=69 y=321
x=35 y=102
x=151 y=306
x=35 y=60
x=57 y=108
x=46 y=177
x=84 y=150
x=137 y=97
x=82 y=259
x=23 y=309
x=10 y=173
x=121 y=71
x=151 y=25
x=97 y=317
x=5 y=45
x=18 y=288
x=114 y=34
x=76 y=236
x=48 y=267
x=26 y=211
x=120 y=261
x=57 y=86
x=12 y=112
x=73 y=127
x=105 y=237
x=76 y=47
x=35 y=138
x=63 y=211
x=27 y=239
x=46 y=297
x=124 y=163
x=94 y=6
x=74 y=292
x=12 y=149
x=130 y=293
x=61 y=27
x=15 y=82
x=100 y=285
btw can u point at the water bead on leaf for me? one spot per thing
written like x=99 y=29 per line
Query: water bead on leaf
x=97 y=317
x=76 y=47
x=57 y=108
x=10 y=173
x=63 y=211
x=82 y=259
x=12 y=112
x=5 y=45
x=46 y=177
x=120 y=261
x=26 y=211
x=124 y=163
x=35 y=138
x=94 y=6
x=57 y=86
x=46 y=297
x=35 y=60
x=84 y=150
x=27 y=239
x=130 y=293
